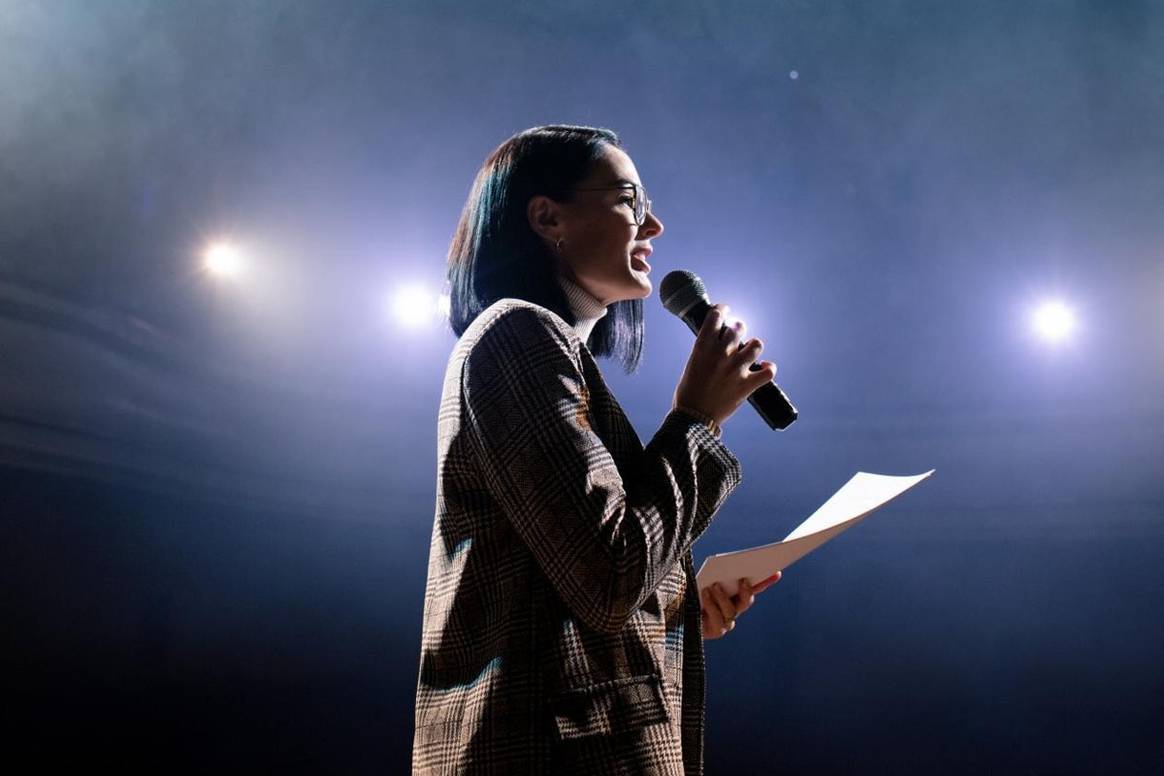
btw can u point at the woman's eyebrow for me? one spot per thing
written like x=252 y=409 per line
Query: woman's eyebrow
x=624 y=182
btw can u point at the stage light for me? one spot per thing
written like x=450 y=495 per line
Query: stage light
x=223 y=259
x=415 y=306
x=1053 y=321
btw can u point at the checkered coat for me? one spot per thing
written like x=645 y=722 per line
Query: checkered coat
x=561 y=625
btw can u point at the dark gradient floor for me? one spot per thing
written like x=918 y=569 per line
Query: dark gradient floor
x=160 y=634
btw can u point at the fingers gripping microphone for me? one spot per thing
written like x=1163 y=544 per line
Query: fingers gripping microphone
x=684 y=295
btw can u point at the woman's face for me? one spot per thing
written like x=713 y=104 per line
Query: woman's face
x=603 y=250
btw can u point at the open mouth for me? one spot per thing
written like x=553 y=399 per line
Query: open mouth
x=639 y=262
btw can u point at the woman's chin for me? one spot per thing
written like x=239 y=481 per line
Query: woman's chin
x=641 y=281
x=636 y=286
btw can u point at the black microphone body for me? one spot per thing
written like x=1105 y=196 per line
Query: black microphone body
x=692 y=307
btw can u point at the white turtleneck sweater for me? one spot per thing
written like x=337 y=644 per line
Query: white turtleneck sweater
x=587 y=310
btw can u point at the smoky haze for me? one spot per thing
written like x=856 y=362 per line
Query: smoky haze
x=218 y=495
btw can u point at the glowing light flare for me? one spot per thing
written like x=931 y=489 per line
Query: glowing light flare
x=414 y=306
x=1053 y=322
x=223 y=259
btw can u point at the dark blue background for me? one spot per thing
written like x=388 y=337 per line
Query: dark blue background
x=216 y=498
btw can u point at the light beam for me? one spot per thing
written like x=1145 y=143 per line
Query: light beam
x=1053 y=321
x=223 y=259
x=414 y=306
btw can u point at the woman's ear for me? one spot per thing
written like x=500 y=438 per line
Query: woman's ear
x=544 y=216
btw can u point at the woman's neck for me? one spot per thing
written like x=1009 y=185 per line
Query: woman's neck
x=587 y=310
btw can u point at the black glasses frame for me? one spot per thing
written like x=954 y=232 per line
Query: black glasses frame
x=639 y=202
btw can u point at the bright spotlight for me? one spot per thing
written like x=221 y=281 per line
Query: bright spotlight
x=415 y=306
x=1053 y=321
x=222 y=259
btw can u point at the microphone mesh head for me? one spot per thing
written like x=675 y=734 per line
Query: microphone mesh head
x=680 y=289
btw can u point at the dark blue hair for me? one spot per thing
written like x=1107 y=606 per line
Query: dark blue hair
x=496 y=254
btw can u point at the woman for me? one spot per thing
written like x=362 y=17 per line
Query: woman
x=561 y=624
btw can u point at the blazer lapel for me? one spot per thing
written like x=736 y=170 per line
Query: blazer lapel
x=610 y=422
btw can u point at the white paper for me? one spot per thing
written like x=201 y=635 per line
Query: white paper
x=862 y=495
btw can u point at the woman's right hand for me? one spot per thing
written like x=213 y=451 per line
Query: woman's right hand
x=717 y=378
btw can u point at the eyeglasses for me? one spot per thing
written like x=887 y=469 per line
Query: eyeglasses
x=639 y=202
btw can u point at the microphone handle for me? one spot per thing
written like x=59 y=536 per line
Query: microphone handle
x=772 y=403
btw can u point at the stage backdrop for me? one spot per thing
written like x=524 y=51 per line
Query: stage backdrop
x=222 y=235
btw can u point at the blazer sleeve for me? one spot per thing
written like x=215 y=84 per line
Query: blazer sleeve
x=604 y=543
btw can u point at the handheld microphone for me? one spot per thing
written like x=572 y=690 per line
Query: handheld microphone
x=684 y=294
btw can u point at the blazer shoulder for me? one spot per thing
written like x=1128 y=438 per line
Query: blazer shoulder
x=525 y=320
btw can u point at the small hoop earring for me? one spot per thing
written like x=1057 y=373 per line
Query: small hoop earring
x=558 y=245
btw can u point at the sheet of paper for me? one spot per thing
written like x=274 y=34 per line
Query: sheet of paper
x=862 y=495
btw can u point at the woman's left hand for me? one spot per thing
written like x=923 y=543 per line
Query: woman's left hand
x=719 y=611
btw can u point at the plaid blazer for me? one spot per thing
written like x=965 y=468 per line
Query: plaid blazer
x=561 y=628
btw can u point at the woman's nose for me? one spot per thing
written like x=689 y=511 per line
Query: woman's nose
x=652 y=226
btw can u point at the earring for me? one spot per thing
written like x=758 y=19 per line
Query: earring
x=558 y=245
